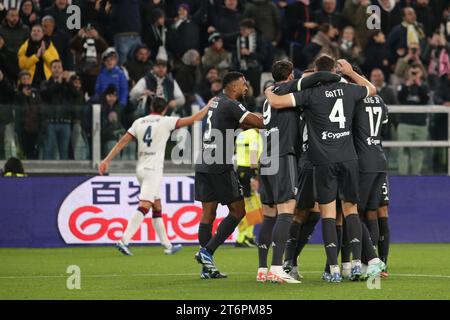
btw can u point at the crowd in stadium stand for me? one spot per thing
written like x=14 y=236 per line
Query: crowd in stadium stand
x=128 y=51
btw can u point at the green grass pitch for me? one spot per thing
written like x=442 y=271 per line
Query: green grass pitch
x=418 y=271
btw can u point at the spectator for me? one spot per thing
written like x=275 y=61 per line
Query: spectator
x=14 y=32
x=349 y=47
x=391 y=15
x=13 y=168
x=413 y=57
x=386 y=92
x=8 y=60
x=226 y=20
x=126 y=27
x=59 y=12
x=412 y=127
x=160 y=84
x=210 y=85
x=138 y=63
x=267 y=19
x=249 y=54
x=300 y=22
x=376 y=54
x=323 y=43
x=184 y=33
x=188 y=76
x=95 y=14
x=443 y=92
x=28 y=13
x=329 y=14
x=437 y=57
x=155 y=35
x=425 y=16
x=36 y=55
x=60 y=40
x=88 y=47
x=57 y=94
x=112 y=129
x=355 y=12
x=7 y=137
x=402 y=35
x=80 y=146
x=111 y=73
x=216 y=55
x=29 y=118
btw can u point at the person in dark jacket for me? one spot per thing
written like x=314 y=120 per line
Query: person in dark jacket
x=59 y=12
x=329 y=14
x=138 y=63
x=226 y=19
x=391 y=15
x=60 y=40
x=57 y=94
x=184 y=33
x=155 y=34
x=300 y=22
x=376 y=54
x=6 y=117
x=14 y=32
x=426 y=17
x=8 y=60
x=28 y=12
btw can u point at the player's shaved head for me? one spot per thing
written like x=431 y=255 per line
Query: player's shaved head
x=325 y=63
x=158 y=105
x=281 y=70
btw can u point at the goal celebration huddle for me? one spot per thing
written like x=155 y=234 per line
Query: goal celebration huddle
x=322 y=160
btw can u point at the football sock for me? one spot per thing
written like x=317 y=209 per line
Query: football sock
x=158 y=225
x=265 y=239
x=354 y=233
x=291 y=244
x=280 y=235
x=305 y=233
x=339 y=238
x=383 y=244
x=330 y=240
x=345 y=246
x=372 y=227
x=133 y=224
x=204 y=233
x=368 y=250
x=225 y=229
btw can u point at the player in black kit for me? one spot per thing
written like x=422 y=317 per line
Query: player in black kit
x=329 y=111
x=278 y=173
x=215 y=179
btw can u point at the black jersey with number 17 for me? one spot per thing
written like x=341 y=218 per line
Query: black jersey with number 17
x=370 y=115
x=281 y=125
x=329 y=111
x=224 y=117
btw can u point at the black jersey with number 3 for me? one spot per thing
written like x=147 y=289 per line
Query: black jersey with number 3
x=224 y=117
x=281 y=125
x=370 y=115
x=329 y=110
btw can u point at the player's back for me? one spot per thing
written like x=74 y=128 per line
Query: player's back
x=370 y=115
x=152 y=133
x=282 y=125
x=329 y=111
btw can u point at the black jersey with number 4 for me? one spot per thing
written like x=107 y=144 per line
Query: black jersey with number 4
x=370 y=115
x=281 y=125
x=224 y=117
x=329 y=110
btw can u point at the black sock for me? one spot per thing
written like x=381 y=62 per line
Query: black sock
x=383 y=244
x=225 y=229
x=265 y=239
x=345 y=246
x=372 y=227
x=330 y=240
x=291 y=244
x=368 y=250
x=204 y=233
x=339 y=237
x=305 y=233
x=354 y=233
x=280 y=235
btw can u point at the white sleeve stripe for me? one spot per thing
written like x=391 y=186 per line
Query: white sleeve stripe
x=299 y=85
x=368 y=91
x=243 y=116
x=293 y=99
x=385 y=121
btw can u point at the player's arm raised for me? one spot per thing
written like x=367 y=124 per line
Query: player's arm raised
x=347 y=69
x=198 y=116
x=252 y=120
x=279 y=102
x=104 y=165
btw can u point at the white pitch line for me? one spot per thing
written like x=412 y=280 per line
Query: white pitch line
x=411 y=275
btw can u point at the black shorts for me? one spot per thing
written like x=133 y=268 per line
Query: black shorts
x=305 y=186
x=279 y=187
x=245 y=174
x=221 y=187
x=385 y=193
x=371 y=189
x=339 y=179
